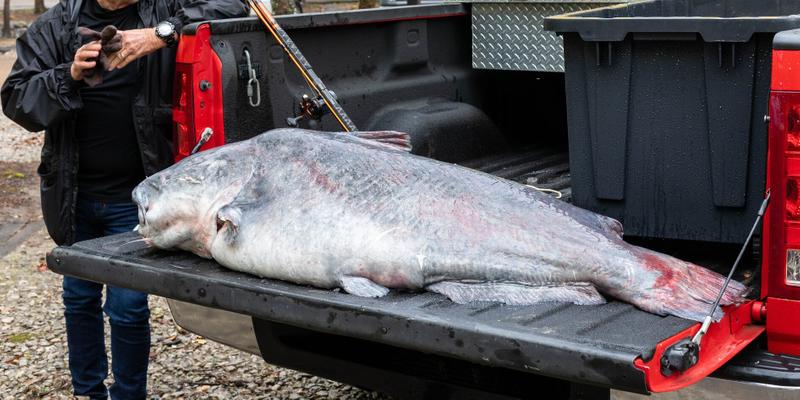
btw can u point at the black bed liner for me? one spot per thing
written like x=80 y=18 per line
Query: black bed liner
x=588 y=344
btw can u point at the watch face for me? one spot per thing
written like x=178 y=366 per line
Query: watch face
x=164 y=29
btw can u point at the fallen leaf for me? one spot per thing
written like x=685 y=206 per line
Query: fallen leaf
x=14 y=360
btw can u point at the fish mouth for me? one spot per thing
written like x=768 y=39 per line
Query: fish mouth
x=203 y=253
x=142 y=218
x=140 y=199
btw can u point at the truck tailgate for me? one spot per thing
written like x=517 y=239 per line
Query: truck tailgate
x=612 y=345
x=591 y=344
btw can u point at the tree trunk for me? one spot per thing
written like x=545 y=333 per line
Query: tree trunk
x=7 y=18
x=38 y=6
x=368 y=4
x=280 y=7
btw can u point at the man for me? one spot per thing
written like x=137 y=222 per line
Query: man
x=100 y=141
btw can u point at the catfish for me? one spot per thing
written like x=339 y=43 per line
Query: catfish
x=359 y=212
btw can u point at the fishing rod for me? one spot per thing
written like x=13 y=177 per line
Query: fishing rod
x=314 y=82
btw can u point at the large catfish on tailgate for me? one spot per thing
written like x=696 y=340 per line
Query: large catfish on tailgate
x=360 y=213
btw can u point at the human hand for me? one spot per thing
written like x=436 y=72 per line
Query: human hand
x=136 y=43
x=110 y=42
x=85 y=60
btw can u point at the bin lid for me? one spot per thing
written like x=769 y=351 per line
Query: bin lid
x=714 y=21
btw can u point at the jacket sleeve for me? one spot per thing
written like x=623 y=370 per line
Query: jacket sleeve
x=39 y=90
x=189 y=11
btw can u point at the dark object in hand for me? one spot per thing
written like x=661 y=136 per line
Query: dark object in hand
x=111 y=42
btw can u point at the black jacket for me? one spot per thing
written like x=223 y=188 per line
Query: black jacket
x=39 y=94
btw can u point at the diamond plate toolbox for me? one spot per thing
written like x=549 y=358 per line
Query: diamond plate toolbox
x=510 y=36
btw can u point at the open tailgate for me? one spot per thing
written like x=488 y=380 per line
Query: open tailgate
x=605 y=345
x=612 y=345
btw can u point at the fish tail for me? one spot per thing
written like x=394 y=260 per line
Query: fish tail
x=684 y=289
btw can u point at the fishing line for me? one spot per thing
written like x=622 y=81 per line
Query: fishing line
x=543 y=190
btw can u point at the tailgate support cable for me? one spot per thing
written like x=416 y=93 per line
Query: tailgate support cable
x=686 y=353
x=204 y=137
x=707 y=321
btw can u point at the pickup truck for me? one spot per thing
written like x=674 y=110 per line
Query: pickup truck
x=409 y=69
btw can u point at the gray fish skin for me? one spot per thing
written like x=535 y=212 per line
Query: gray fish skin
x=333 y=210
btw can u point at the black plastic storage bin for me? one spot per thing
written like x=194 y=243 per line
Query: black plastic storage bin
x=666 y=103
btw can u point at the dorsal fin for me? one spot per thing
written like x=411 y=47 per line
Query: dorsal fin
x=393 y=139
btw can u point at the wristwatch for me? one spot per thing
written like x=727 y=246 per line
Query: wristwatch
x=165 y=31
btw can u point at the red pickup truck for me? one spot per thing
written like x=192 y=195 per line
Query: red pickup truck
x=409 y=68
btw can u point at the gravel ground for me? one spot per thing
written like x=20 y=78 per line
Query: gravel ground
x=19 y=145
x=15 y=138
x=33 y=361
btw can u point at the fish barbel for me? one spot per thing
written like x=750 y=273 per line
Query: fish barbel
x=358 y=212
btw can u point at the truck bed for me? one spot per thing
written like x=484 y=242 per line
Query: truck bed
x=587 y=344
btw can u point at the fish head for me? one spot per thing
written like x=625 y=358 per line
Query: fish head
x=178 y=206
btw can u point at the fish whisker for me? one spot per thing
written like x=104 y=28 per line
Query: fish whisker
x=136 y=244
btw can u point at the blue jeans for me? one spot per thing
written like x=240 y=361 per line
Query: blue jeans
x=127 y=312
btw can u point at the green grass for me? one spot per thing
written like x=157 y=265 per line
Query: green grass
x=20 y=337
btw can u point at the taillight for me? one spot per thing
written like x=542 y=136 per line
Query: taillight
x=793 y=128
x=197 y=102
x=780 y=283
x=782 y=224
x=793 y=267
x=182 y=113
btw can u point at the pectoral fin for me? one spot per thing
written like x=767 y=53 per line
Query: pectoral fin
x=229 y=218
x=362 y=287
x=518 y=294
